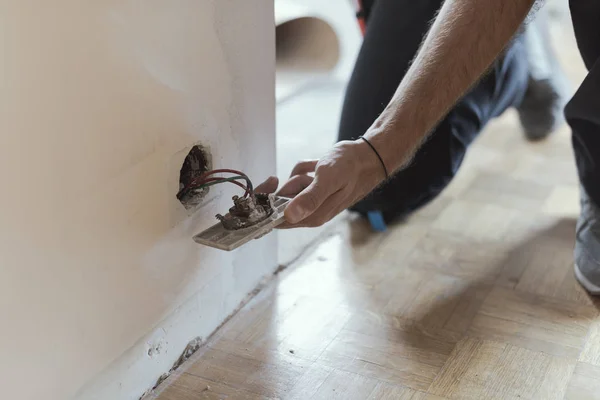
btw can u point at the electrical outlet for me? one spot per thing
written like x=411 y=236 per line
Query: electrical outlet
x=222 y=238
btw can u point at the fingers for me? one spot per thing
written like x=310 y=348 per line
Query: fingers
x=327 y=211
x=298 y=182
x=295 y=185
x=307 y=202
x=269 y=186
x=304 y=167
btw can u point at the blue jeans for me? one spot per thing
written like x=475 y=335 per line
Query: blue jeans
x=395 y=30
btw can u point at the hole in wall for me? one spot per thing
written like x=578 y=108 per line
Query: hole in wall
x=305 y=47
x=196 y=163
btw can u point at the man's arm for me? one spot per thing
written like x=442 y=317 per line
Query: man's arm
x=465 y=39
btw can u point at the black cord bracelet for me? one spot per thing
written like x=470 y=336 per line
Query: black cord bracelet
x=378 y=156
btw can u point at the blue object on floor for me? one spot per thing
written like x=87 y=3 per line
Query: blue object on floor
x=377 y=221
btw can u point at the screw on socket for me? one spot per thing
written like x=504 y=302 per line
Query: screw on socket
x=247 y=211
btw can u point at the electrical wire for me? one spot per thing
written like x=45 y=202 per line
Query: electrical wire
x=232 y=171
x=212 y=182
x=215 y=181
x=233 y=179
x=205 y=180
x=217 y=171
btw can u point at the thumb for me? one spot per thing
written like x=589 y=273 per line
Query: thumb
x=306 y=203
x=268 y=186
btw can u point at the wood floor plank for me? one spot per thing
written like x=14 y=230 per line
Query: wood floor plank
x=426 y=297
x=345 y=386
x=271 y=379
x=190 y=387
x=459 y=256
x=308 y=385
x=551 y=263
x=305 y=327
x=571 y=291
x=435 y=301
x=533 y=322
x=479 y=221
x=368 y=359
x=505 y=191
x=320 y=382
x=359 y=276
x=386 y=391
x=591 y=349
x=556 y=379
x=489 y=370
x=585 y=383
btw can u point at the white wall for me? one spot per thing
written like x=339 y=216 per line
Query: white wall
x=100 y=102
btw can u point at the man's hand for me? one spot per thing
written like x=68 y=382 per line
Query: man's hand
x=345 y=175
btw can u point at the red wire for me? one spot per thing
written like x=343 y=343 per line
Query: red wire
x=234 y=182
x=204 y=181
x=217 y=171
x=218 y=178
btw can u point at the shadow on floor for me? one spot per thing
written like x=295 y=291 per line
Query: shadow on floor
x=531 y=283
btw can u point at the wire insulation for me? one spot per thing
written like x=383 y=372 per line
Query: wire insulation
x=207 y=179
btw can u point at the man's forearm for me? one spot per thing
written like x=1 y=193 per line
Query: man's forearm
x=463 y=42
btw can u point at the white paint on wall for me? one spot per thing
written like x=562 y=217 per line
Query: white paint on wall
x=100 y=103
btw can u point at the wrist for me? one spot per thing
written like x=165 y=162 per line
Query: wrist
x=381 y=162
x=393 y=148
x=372 y=166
